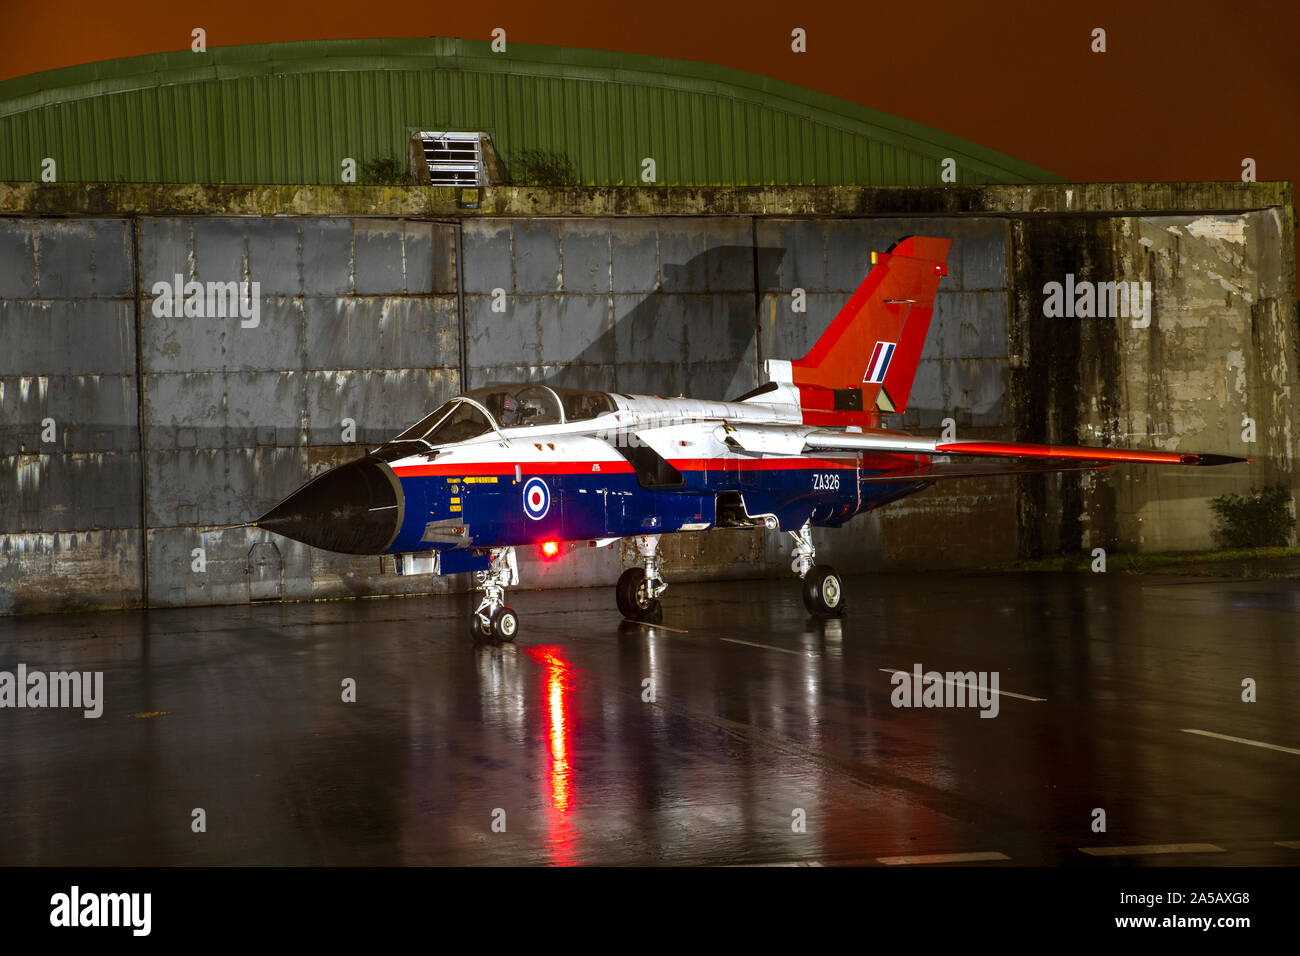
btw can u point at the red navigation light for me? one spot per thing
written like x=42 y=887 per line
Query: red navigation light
x=550 y=548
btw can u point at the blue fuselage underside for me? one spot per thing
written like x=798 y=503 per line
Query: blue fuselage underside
x=578 y=506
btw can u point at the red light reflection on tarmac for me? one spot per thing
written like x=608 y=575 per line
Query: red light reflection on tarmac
x=559 y=712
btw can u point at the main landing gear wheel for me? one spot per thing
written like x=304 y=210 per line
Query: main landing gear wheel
x=635 y=595
x=823 y=591
x=638 y=589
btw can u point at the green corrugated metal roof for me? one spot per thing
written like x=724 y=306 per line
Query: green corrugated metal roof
x=291 y=112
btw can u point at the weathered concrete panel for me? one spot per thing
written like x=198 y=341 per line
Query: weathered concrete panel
x=219 y=486
x=403 y=333
x=66 y=337
x=379 y=404
x=246 y=564
x=221 y=409
x=577 y=330
x=327 y=269
x=69 y=491
x=65 y=259
x=396 y=257
x=560 y=376
x=507 y=336
x=634 y=248
x=729 y=256
x=683 y=262
x=1218 y=349
x=63 y=571
x=69 y=441
x=586 y=258
x=204 y=344
x=89 y=412
x=273 y=254
x=17 y=259
x=489 y=256
x=968 y=325
x=176 y=576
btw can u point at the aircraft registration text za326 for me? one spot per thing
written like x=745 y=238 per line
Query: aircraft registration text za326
x=528 y=465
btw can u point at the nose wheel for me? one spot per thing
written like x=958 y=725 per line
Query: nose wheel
x=502 y=625
x=493 y=619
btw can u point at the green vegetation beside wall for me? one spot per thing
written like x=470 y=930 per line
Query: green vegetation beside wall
x=1257 y=519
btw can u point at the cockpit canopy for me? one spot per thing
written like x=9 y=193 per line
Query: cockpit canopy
x=505 y=407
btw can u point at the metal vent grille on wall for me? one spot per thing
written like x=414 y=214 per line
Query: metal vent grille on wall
x=455 y=159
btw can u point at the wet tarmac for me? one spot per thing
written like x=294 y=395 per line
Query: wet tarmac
x=742 y=732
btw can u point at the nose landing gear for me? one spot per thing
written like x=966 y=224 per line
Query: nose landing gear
x=493 y=619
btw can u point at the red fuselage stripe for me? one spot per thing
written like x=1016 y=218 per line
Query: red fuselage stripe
x=621 y=467
x=759 y=464
x=508 y=468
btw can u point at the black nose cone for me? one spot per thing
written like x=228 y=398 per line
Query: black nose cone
x=354 y=509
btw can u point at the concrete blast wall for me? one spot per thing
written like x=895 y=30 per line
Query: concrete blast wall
x=132 y=435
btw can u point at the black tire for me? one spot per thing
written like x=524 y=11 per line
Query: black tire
x=823 y=591
x=633 y=595
x=505 y=624
x=477 y=630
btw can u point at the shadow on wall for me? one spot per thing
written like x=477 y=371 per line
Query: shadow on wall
x=660 y=347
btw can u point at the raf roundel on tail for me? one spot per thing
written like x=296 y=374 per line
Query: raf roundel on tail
x=526 y=465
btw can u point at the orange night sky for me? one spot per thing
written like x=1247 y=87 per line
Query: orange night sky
x=1184 y=92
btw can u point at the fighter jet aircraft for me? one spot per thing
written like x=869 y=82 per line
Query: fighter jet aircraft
x=528 y=465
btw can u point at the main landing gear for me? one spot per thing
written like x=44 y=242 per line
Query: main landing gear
x=823 y=590
x=639 y=588
x=493 y=618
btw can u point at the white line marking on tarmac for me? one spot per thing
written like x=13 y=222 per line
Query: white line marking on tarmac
x=1241 y=740
x=1151 y=850
x=768 y=647
x=1289 y=844
x=1002 y=693
x=942 y=858
x=661 y=627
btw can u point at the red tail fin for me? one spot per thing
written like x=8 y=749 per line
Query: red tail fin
x=875 y=343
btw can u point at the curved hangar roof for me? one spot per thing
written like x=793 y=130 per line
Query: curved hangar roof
x=290 y=112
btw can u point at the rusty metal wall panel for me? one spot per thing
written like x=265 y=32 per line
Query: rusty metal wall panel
x=69 y=462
